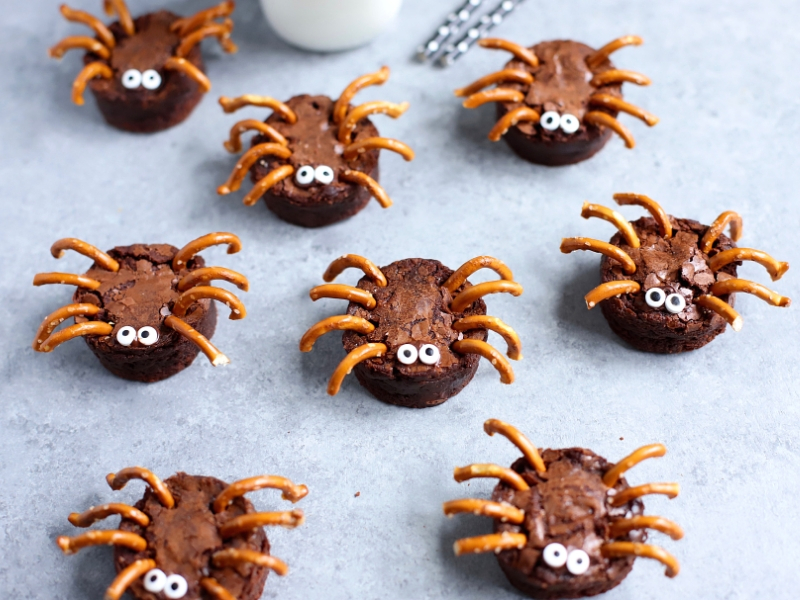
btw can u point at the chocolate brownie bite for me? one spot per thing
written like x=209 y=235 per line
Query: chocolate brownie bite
x=144 y=310
x=189 y=537
x=415 y=330
x=668 y=284
x=558 y=101
x=315 y=159
x=566 y=523
x=147 y=74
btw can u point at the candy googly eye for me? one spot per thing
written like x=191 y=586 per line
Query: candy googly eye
x=175 y=587
x=407 y=354
x=578 y=562
x=131 y=79
x=126 y=335
x=151 y=79
x=155 y=580
x=147 y=335
x=305 y=175
x=555 y=555
x=429 y=354
x=655 y=297
x=550 y=120
x=323 y=174
x=675 y=303
x=570 y=123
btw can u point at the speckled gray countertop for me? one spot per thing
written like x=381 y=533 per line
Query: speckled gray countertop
x=726 y=89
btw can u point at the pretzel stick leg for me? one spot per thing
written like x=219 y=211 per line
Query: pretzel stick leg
x=89 y=72
x=488 y=352
x=493 y=324
x=368 y=182
x=234 y=557
x=263 y=185
x=646 y=550
x=521 y=441
x=510 y=119
x=289 y=491
x=338 y=323
x=670 y=490
x=504 y=474
x=505 y=513
x=634 y=458
x=601 y=119
x=495 y=542
x=356 y=356
x=127 y=576
x=73 y=331
x=182 y=65
x=216 y=357
x=244 y=523
x=610 y=289
x=234 y=144
x=213 y=587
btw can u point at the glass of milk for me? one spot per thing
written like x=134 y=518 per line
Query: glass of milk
x=329 y=25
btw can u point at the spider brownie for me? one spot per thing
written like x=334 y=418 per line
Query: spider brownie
x=189 y=537
x=668 y=284
x=566 y=523
x=557 y=102
x=314 y=160
x=415 y=330
x=147 y=74
x=144 y=310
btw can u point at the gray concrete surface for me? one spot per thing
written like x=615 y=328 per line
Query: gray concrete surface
x=726 y=89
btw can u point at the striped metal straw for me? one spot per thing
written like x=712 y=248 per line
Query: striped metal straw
x=487 y=22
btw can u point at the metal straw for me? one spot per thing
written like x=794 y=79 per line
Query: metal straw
x=487 y=22
x=455 y=21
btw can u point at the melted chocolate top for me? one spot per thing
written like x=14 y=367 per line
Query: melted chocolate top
x=143 y=291
x=561 y=84
x=675 y=265
x=149 y=48
x=182 y=539
x=569 y=505
x=313 y=140
x=414 y=309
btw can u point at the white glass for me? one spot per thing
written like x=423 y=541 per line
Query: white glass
x=329 y=25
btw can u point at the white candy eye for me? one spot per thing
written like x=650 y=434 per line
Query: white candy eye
x=578 y=562
x=570 y=123
x=429 y=354
x=155 y=580
x=555 y=555
x=407 y=354
x=323 y=174
x=175 y=587
x=147 y=335
x=655 y=297
x=550 y=120
x=675 y=303
x=131 y=79
x=126 y=335
x=151 y=79
x=305 y=175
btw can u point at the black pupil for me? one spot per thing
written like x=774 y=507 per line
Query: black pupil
x=580 y=560
x=145 y=334
x=174 y=585
x=675 y=301
x=558 y=553
x=127 y=332
x=429 y=351
x=406 y=353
